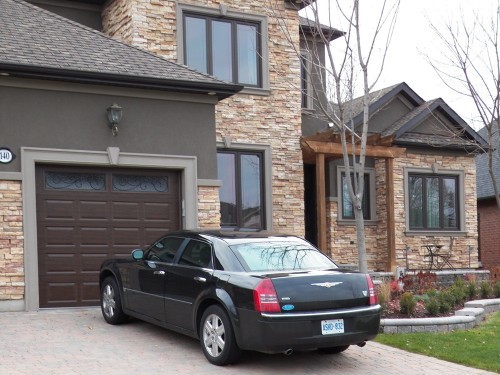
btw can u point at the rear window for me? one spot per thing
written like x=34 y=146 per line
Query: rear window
x=281 y=256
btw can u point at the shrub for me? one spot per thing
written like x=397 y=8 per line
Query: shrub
x=384 y=295
x=496 y=289
x=485 y=289
x=471 y=289
x=407 y=303
x=445 y=302
x=432 y=306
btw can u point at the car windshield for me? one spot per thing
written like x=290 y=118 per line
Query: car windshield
x=281 y=256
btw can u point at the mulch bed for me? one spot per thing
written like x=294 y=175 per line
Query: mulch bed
x=392 y=312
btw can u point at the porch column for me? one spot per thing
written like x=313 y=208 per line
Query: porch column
x=321 y=201
x=391 y=226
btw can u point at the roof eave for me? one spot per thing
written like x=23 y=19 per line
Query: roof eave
x=222 y=90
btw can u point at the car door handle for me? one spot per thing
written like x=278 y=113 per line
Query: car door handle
x=161 y=273
x=200 y=279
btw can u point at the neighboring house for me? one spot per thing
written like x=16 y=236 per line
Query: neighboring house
x=487 y=210
x=420 y=183
x=75 y=194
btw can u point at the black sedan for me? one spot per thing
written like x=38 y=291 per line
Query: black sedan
x=237 y=290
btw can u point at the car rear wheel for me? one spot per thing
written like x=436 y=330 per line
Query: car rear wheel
x=111 y=304
x=217 y=337
x=333 y=349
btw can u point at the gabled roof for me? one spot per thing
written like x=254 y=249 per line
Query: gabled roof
x=36 y=43
x=313 y=28
x=484 y=185
x=456 y=134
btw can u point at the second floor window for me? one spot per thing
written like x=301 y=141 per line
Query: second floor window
x=226 y=48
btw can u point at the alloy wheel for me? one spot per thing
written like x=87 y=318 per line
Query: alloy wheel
x=214 y=335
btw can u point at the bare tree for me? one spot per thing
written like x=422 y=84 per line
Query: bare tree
x=354 y=60
x=470 y=65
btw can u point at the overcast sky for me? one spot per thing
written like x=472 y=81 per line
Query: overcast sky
x=414 y=37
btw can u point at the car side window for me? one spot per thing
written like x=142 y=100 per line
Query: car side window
x=165 y=249
x=197 y=254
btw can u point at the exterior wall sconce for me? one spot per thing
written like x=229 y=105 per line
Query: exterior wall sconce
x=115 y=113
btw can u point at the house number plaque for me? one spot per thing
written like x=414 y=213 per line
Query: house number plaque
x=6 y=155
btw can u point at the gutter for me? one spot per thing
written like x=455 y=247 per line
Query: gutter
x=221 y=90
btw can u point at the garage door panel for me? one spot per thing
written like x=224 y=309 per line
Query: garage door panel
x=60 y=209
x=94 y=236
x=159 y=211
x=92 y=210
x=60 y=236
x=126 y=211
x=84 y=219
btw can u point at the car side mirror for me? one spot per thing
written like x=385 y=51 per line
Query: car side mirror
x=138 y=254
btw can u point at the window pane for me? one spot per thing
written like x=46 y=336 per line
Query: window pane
x=141 y=184
x=347 y=208
x=450 y=203
x=196 y=40
x=247 y=54
x=250 y=191
x=416 y=199
x=303 y=81
x=222 y=50
x=227 y=174
x=75 y=181
x=432 y=202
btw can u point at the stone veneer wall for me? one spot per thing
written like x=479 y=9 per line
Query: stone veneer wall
x=11 y=242
x=272 y=119
x=340 y=236
x=208 y=207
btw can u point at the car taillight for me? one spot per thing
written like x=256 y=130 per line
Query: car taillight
x=265 y=298
x=372 y=293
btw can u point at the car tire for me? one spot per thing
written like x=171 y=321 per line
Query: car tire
x=333 y=349
x=111 y=303
x=217 y=337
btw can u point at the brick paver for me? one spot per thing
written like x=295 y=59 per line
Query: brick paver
x=80 y=342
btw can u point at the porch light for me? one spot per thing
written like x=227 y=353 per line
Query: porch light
x=115 y=113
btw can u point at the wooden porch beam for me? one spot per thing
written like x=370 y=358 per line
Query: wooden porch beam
x=330 y=148
x=321 y=201
x=391 y=225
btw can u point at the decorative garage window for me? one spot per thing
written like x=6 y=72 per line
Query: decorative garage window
x=75 y=181
x=144 y=184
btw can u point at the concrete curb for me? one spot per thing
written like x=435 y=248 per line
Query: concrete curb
x=466 y=318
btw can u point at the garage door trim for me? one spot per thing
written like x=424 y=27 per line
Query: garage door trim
x=30 y=156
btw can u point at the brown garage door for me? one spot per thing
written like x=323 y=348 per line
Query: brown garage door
x=86 y=215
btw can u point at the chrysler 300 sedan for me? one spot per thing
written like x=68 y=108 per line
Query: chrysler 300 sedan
x=236 y=290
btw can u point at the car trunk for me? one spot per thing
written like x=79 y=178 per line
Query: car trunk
x=321 y=290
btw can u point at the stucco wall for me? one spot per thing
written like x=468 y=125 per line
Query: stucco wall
x=271 y=118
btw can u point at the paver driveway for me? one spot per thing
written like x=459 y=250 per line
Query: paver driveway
x=80 y=342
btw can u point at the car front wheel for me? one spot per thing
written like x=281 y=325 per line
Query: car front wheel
x=217 y=337
x=111 y=304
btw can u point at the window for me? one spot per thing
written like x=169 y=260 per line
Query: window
x=165 y=249
x=197 y=254
x=346 y=208
x=227 y=48
x=241 y=193
x=433 y=202
x=305 y=88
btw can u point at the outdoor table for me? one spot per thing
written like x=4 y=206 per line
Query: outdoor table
x=437 y=259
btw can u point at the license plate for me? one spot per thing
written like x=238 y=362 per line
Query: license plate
x=330 y=327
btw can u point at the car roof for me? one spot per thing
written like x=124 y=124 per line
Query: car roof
x=228 y=235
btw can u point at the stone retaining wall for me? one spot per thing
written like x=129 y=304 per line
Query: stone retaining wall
x=471 y=315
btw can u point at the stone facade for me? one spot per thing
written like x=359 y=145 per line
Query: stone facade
x=208 y=207
x=270 y=118
x=11 y=241
x=342 y=237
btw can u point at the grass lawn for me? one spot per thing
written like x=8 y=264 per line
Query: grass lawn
x=478 y=347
